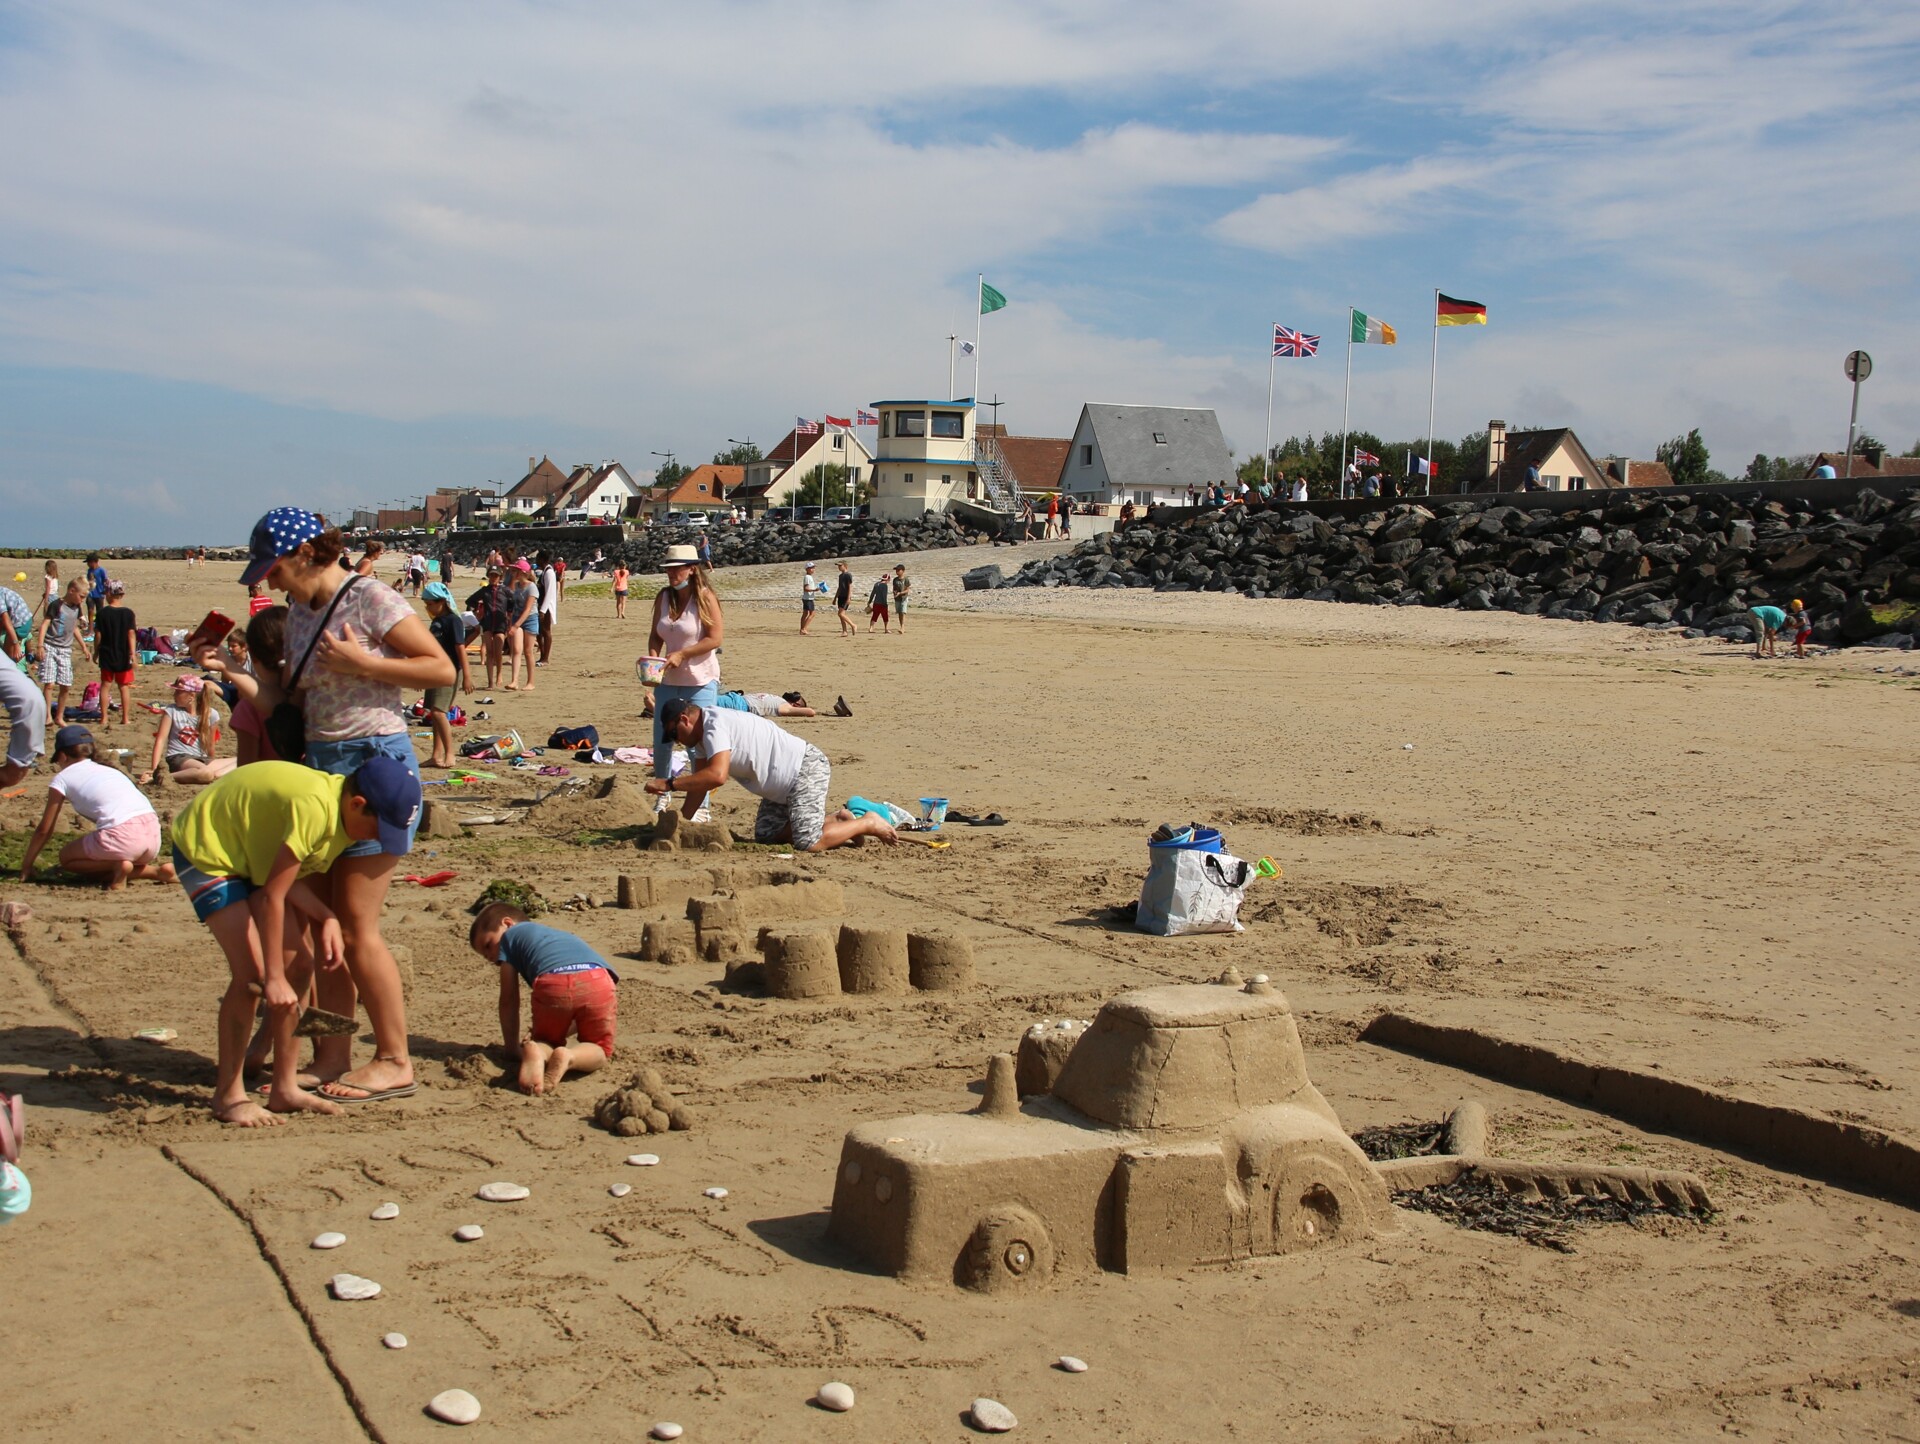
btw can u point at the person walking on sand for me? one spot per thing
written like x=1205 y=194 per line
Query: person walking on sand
x=843 y=599
x=351 y=648
x=96 y=584
x=450 y=632
x=621 y=579
x=1802 y=626
x=901 y=587
x=54 y=642
x=688 y=630
x=790 y=777
x=489 y=605
x=877 y=604
x=810 y=590
x=549 y=584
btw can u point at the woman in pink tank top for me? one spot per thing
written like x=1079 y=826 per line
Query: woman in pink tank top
x=688 y=629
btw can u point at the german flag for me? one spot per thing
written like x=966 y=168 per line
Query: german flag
x=1454 y=312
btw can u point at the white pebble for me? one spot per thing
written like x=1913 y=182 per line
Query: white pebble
x=621 y=1190
x=1260 y=978
x=329 y=1240
x=1067 y=1364
x=352 y=1286
x=394 y=1341
x=664 y=1430
x=714 y=1192
x=469 y=1233
x=386 y=1211
x=1406 y=747
x=503 y=1192
x=454 y=1406
x=990 y=1416
x=642 y=1160
x=837 y=1397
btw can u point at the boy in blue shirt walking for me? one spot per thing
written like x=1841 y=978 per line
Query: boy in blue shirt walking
x=572 y=993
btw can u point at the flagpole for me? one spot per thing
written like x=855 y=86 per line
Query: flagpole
x=1346 y=405
x=952 y=336
x=1266 y=456
x=1433 y=380
x=979 y=301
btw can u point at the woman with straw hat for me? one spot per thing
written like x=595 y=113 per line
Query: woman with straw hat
x=688 y=629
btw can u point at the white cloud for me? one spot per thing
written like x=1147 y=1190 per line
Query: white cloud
x=1383 y=201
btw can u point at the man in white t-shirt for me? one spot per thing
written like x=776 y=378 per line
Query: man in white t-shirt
x=549 y=605
x=790 y=777
x=417 y=570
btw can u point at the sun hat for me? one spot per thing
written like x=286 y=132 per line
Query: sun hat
x=393 y=797
x=70 y=737
x=809 y=566
x=521 y=564
x=277 y=534
x=681 y=556
x=437 y=592
x=188 y=684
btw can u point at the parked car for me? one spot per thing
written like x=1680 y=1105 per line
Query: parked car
x=1181 y=1129
x=806 y=513
x=842 y=513
x=775 y=513
x=687 y=518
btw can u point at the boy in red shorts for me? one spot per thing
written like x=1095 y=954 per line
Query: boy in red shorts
x=113 y=650
x=572 y=989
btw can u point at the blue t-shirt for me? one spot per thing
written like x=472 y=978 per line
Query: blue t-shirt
x=533 y=950
x=1773 y=617
x=97 y=582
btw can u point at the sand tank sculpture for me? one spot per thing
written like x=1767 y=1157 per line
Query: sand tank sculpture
x=1181 y=1129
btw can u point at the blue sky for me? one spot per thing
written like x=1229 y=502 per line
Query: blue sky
x=347 y=252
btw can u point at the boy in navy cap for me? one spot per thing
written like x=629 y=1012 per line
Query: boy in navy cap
x=243 y=851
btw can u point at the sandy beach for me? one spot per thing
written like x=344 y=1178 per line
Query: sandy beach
x=1637 y=849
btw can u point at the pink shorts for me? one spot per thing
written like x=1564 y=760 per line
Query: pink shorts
x=566 y=1002
x=135 y=840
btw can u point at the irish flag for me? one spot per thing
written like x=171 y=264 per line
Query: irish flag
x=1372 y=328
x=1453 y=312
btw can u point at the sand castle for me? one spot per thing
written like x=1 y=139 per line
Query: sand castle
x=1181 y=1128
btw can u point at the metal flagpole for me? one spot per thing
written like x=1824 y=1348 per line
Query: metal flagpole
x=1266 y=456
x=951 y=338
x=1346 y=406
x=1433 y=377
x=979 y=299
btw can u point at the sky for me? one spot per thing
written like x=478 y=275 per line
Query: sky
x=344 y=253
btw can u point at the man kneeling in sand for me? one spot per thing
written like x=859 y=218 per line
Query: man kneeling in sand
x=790 y=777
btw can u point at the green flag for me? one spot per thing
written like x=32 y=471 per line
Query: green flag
x=990 y=299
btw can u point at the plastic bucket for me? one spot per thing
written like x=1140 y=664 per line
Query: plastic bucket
x=651 y=670
x=933 y=811
x=1204 y=839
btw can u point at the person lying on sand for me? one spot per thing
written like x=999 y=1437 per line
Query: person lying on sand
x=765 y=704
x=571 y=990
x=790 y=777
x=243 y=850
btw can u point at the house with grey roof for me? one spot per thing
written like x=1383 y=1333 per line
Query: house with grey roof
x=1147 y=455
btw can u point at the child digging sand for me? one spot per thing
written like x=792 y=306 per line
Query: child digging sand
x=125 y=841
x=572 y=992
x=243 y=850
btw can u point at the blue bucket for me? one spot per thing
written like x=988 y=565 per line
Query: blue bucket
x=1203 y=839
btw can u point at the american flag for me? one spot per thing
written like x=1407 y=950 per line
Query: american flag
x=1292 y=343
x=1364 y=458
x=804 y=427
x=863 y=417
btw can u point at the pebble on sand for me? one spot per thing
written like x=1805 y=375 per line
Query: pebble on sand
x=454 y=1406
x=329 y=1240
x=714 y=1192
x=394 y=1341
x=1067 y=1364
x=621 y=1190
x=643 y=1160
x=503 y=1192
x=352 y=1286
x=386 y=1211
x=665 y=1430
x=469 y=1233
x=836 y=1396
x=990 y=1416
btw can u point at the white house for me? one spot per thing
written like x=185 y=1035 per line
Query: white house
x=1144 y=454
x=781 y=476
x=924 y=457
x=594 y=491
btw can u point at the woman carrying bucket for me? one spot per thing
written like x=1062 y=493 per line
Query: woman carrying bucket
x=688 y=629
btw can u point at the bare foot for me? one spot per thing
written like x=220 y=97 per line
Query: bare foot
x=246 y=1114
x=556 y=1068
x=300 y=1101
x=533 y=1073
x=117 y=879
x=511 y=687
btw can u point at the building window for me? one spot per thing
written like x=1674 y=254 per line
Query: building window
x=839 y=441
x=1159 y=438
x=946 y=478
x=910 y=423
x=1086 y=456
x=1578 y=483
x=950 y=424
x=1551 y=483
x=973 y=489
x=886 y=423
x=906 y=479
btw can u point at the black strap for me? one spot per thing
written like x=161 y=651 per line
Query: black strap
x=293 y=683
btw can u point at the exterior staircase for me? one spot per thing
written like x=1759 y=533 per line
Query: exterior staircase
x=996 y=477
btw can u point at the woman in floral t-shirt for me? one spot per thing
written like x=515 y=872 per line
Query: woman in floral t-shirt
x=374 y=649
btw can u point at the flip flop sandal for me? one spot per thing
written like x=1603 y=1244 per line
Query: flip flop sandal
x=992 y=819
x=375 y=1095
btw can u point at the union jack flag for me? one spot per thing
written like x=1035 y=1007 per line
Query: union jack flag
x=1292 y=343
x=1364 y=458
x=864 y=417
x=804 y=427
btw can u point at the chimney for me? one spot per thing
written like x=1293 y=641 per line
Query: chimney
x=1876 y=456
x=1496 y=447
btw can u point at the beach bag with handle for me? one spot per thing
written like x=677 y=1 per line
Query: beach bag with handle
x=1189 y=890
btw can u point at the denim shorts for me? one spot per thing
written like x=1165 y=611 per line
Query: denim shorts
x=343 y=759
x=208 y=893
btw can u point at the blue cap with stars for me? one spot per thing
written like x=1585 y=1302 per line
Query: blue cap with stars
x=277 y=534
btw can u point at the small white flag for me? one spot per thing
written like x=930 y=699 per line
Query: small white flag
x=966 y=348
